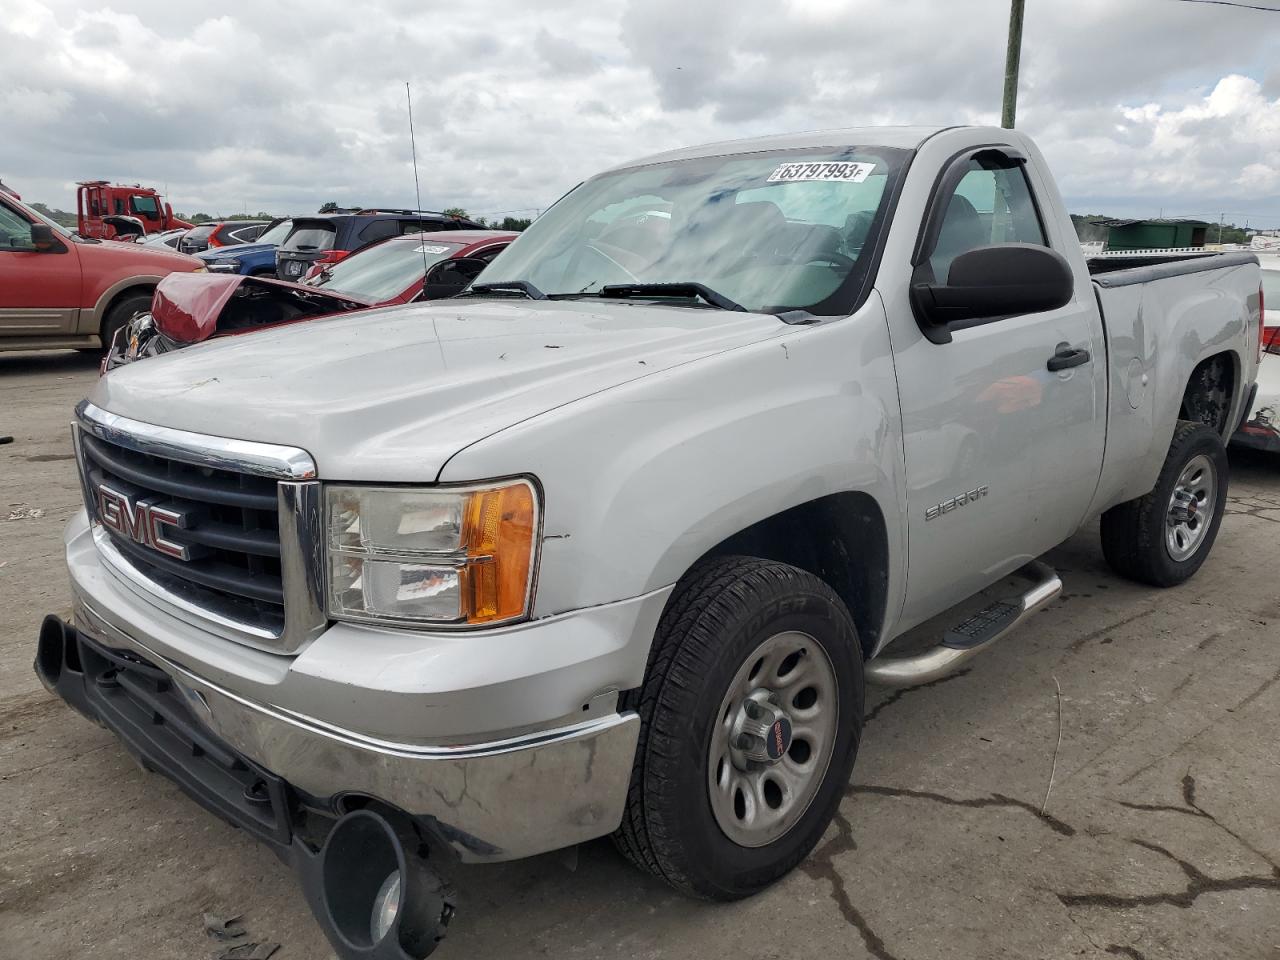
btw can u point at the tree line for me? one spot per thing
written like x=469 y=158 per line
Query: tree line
x=508 y=223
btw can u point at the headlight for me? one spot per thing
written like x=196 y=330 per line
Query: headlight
x=223 y=266
x=447 y=556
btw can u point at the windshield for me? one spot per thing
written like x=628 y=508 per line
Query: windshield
x=386 y=270
x=275 y=235
x=773 y=231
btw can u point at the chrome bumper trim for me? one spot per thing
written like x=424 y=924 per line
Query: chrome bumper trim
x=500 y=800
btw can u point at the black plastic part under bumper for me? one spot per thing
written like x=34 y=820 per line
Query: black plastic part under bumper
x=141 y=705
x=151 y=715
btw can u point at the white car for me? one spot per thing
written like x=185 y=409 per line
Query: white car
x=166 y=238
x=1262 y=430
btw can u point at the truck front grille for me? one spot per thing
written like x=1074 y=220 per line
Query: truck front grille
x=221 y=531
x=232 y=538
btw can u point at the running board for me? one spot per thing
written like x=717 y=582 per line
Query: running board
x=970 y=637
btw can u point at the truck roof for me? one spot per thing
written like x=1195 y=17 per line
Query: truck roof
x=905 y=137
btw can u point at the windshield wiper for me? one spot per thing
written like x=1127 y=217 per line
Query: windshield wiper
x=523 y=286
x=688 y=289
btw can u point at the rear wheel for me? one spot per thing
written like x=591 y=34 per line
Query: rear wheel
x=1164 y=537
x=751 y=713
x=121 y=313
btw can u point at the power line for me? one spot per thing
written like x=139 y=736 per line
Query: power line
x=1232 y=3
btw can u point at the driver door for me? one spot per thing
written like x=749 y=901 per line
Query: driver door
x=39 y=290
x=1002 y=455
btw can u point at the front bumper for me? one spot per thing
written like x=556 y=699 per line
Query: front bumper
x=155 y=719
x=544 y=787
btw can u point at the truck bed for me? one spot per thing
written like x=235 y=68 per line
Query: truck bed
x=1123 y=271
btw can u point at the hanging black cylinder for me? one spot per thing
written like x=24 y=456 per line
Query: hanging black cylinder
x=380 y=900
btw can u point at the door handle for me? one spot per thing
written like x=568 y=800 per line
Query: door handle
x=1067 y=356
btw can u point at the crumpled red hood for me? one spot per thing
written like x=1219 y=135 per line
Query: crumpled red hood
x=187 y=306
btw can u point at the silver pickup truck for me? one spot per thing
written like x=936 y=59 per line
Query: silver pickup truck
x=610 y=543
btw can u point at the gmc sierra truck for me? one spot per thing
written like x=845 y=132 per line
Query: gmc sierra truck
x=611 y=542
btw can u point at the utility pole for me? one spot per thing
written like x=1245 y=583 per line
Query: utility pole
x=1011 y=57
x=1221 y=217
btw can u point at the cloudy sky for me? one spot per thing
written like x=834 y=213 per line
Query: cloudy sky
x=1142 y=106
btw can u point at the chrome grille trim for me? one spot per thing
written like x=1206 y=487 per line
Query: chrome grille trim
x=301 y=520
x=221 y=453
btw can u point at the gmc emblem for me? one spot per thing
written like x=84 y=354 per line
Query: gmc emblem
x=141 y=521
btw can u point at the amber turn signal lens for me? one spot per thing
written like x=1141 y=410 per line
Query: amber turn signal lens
x=498 y=535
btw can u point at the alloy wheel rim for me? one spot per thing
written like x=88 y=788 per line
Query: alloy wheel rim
x=1191 y=507
x=773 y=738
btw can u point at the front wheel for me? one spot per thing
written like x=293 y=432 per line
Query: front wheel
x=121 y=314
x=1164 y=537
x=751 y=713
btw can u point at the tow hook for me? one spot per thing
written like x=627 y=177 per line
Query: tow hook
x=373 y=892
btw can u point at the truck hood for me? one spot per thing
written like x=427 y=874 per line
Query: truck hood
x=390 y=395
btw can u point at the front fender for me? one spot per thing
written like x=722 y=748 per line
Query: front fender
x=644 y=479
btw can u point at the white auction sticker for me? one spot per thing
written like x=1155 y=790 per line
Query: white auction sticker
x=847 y=171
x=432 y=248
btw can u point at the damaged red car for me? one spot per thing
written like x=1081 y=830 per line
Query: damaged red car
x=190 y=308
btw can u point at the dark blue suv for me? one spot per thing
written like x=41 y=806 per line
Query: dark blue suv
x=251 y=259
x=327 y=238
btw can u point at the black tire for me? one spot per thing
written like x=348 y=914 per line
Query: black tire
x=121 y=313
x=1133 y=533
x=719 y=614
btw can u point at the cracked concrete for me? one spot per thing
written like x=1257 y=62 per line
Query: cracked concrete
x=1159 y=841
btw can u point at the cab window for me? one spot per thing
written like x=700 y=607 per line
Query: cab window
x=991 y=204
x=15 y=232
x=145 y=206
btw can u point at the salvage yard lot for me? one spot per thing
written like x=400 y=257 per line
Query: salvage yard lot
x=1160 y=839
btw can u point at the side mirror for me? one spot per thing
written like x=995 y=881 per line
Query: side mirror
x=448 y=278
x=168 y=211
x=1002 y=280
x=43 y=238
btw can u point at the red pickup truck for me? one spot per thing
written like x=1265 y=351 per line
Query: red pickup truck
x=60 y=290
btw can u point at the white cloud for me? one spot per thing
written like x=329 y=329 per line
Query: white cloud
x=282 y=106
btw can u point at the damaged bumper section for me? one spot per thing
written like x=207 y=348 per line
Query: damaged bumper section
x=353 y=814
x=360 y=856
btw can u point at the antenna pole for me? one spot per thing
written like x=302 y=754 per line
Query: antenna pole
x=417 y=190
